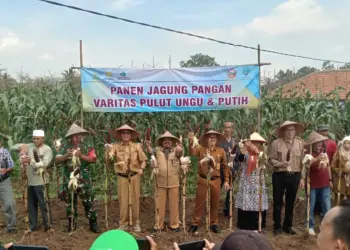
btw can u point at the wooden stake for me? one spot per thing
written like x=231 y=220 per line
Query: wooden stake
x=81 y=65
x=259 y=106
x=260 y=200
x=184 y=202
x=106 y=188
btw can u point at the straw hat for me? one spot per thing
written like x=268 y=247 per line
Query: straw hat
x=257 y=138
x=298 y=127
x=74 y=130
x=203 y=141
x=314 y=137
x=167 y=134
x=134 y=133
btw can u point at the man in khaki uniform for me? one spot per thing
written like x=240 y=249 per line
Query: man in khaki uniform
x=208 y=147
x=285 y=156
x=129 y=160
x=168 y=153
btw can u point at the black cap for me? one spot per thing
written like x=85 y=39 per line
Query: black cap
x=244 y=240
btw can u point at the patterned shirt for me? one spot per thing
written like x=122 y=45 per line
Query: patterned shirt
x=5 y=160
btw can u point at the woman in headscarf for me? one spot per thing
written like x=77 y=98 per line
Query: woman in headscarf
x=341 y=167
x=252 y=159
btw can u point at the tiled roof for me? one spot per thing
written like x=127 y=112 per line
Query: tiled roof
x=320 y=82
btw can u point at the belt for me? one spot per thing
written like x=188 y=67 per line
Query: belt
x=2 y=178
x=211 y=178
x=127 y=175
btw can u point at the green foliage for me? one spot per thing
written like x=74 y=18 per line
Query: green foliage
x=199 y=60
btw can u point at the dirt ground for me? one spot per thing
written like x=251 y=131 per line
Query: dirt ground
x=83 y=238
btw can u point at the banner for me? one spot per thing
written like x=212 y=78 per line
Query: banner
x=170 y=90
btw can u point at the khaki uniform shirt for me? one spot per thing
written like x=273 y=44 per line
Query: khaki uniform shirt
x=169 y=168
x=122 y=153
x=219 y=157
x=278 y=154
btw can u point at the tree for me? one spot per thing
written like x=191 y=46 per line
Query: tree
x=327 y=65
x=345 y=66
x=199 y=60
x=306 y=70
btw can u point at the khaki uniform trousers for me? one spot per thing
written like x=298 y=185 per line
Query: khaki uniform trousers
x=201 y=201
x=173 y=194
x=123 y=197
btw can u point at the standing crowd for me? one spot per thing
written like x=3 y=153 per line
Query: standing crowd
x=316 y=164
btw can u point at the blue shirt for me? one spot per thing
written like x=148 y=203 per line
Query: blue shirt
x=5 y=160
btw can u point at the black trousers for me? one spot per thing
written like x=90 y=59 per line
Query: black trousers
x=284 y=183
x=35 y=198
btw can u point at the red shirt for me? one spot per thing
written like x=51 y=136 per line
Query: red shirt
x=319 y=177
x=331 y=149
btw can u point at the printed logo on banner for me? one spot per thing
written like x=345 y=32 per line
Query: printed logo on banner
x=123 y=76
x=231 y=73
x=246 y=71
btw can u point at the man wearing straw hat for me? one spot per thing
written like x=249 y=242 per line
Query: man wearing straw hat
x=168 y=153
x=129 y=163
x=320 y=176
x=38 y=177
x=210 y=159
x=285 y=156
x=76 y=157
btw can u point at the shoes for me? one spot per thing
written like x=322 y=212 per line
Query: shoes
x=193 y=229
x=215 y=229
x=289 y=231
x=93 y=226
x=175 y=230
x=10 y=230
x=277 y=231
x=312 y=232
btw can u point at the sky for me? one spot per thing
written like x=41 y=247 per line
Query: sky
x=42 y=39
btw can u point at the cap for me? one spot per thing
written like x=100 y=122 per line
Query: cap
x=242 y=240
x=38 y=133
x=322 y=127
x=115 y=240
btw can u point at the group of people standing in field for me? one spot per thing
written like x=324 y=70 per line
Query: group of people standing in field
x=223 y=162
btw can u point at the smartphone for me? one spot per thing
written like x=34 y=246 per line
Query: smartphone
x=22 y=247
x=143 y=244
x=193 y=245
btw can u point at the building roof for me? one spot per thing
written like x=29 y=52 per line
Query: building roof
x=320 y=82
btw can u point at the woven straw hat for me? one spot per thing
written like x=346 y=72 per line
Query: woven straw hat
x=134 y=133
x=257 y=138
x=315 y=137
x=298 y=127
x=74 y=130
x=203 y=141
x=167 y=134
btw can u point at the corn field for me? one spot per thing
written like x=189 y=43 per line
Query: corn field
x=53 y=107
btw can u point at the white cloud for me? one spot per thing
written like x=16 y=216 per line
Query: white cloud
x=290 y=17
x=124 y=4
x=46 y=57
x=9 y=41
